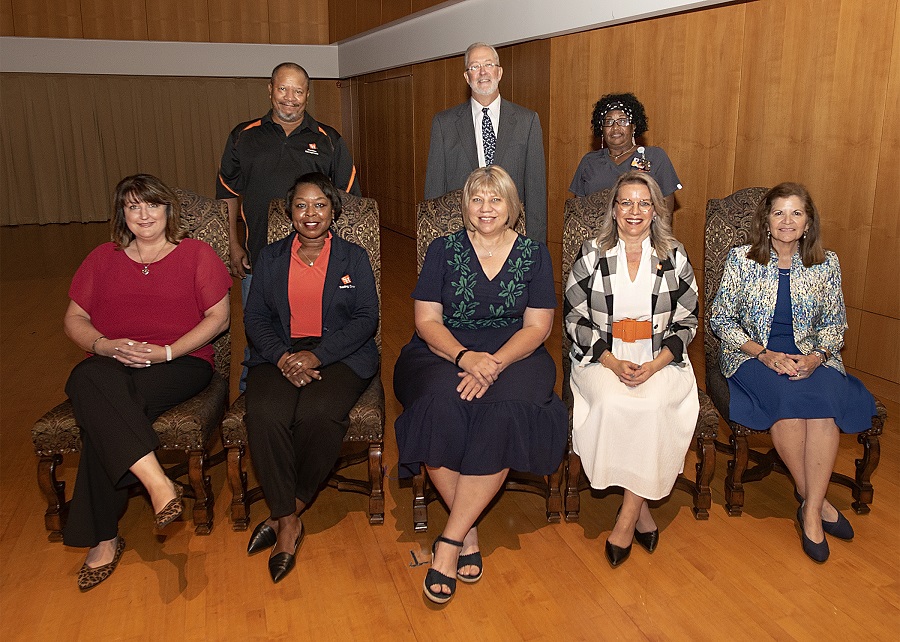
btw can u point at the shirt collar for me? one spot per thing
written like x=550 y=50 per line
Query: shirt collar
x=493 y=108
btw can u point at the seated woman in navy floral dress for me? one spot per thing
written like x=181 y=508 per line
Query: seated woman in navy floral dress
x=476 y=382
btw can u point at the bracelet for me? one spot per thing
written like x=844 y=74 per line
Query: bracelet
x=94 y=344
x=459 y=356
x=168 y=353
x=760 y=353
x=823 y=356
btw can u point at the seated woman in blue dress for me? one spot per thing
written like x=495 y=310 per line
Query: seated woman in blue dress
x=475 y=381
x=780 y=316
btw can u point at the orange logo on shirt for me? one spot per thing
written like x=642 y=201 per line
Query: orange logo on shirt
x=346 y=279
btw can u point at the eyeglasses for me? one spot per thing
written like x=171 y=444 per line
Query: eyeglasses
x=644 y=206
x=488 y=67
x=621 y=122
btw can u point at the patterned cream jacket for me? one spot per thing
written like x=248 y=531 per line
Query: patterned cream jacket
x=588 y=305
x=745 y=304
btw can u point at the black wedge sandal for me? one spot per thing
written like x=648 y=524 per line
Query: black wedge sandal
x=436 y=577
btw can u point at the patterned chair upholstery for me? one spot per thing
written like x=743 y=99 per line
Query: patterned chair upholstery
x=188 y=427
x=434 y=218
x=727 y=226
x=364 y=440
x=581 y=222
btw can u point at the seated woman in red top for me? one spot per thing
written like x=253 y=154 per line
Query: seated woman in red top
x=310 y=319
x=146 y=305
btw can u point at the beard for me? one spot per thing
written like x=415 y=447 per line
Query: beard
x=288 y=117
x=481 y=90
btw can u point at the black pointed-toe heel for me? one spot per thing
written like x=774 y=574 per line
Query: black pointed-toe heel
x=648 y=541
x=436 y=577
x=281 y=564
x=615 y=555
x=263 y=537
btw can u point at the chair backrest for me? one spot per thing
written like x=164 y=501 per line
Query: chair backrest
x=441 y=216
x=581 y=221
x=358 y=223
x=727 y=226
x=206 y=219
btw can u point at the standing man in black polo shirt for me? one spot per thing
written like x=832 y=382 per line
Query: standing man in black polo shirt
x=263 y=157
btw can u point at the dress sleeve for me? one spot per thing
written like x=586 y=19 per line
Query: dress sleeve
x=577 y=186
x=211 y=278
x=725 y=315
x=541 y=289
x=83 y=289
x=431 y=278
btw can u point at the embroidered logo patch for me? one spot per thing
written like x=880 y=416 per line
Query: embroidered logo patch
x=346 y=279
x=312 y=149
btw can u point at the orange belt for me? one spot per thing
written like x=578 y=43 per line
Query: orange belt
x=629 y=330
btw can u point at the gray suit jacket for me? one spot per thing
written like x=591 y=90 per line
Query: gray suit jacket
x=453 y=155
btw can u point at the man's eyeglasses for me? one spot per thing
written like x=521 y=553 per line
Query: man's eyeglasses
x=621 y=122
x=488 y=66
x=644 y=206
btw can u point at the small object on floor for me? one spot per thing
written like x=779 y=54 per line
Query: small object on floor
x=89 y=577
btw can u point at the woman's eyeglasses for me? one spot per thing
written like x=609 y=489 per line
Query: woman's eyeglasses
x=609 y=122
x=644 y=206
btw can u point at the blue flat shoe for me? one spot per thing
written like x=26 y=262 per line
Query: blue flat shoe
x=818 y=552
x=841 y=528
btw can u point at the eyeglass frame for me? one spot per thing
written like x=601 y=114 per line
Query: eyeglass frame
x=631 y=204
x=616 y=121
x=477 y=66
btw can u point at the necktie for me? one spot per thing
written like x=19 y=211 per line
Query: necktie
x=489 y=138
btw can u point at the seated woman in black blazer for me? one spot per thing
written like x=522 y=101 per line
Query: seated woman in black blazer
x=310 y=320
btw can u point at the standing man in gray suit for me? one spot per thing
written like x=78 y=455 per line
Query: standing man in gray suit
x=489 y=131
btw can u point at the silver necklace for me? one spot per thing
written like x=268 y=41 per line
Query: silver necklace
x=490 y=253
x=308 y=262
x=146 y=269
x=618 y=156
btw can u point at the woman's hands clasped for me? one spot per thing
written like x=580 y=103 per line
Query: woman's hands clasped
x=480 y=370
x=795 y=366
x=300 y=367
x=134 y=354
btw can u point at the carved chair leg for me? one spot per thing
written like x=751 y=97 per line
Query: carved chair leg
x=420 y=506
x=237 y=479
x=573 y=500
x=706 y=467
x=554 y=493
x=55 y=493
x=865 y=466
x=376 y=478
x=737 y=465
x=203 y=497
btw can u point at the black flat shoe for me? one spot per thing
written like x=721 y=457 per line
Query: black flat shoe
x=89 y=577
x=648 y=541
x=281 y=564
x=436 y=577
x=818 y=552
x=615 y=555
x=263 y=537
x=841 y=528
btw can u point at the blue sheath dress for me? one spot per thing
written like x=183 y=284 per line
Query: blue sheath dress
x=760 y=396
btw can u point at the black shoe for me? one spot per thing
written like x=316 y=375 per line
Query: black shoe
x=615 y=555
x=840 y=528
x=281 y=564
x=818 y=552
x=472 y=559
x=648 y=541
x=436 y=577
x=263 y=537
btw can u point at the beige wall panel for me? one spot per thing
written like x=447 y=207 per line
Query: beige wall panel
x=388 y=140
x=879 y=352
x=114 y=19
x=800 y=112
x=429 y=97
x=239 y=21
x=882 y=288
x=178 y=20
x=47 y=18
x=298 y=23
x=7 y=26
x=394 y=9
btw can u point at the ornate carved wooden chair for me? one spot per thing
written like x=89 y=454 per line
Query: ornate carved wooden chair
x=188 y=427
x=728 y=225
x=581 y=222
x=434 y=218
x=364 y=440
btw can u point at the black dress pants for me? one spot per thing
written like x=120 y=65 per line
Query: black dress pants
x=115 y=406
x=296 y=433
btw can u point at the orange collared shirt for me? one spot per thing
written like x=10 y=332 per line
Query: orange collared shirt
x=306 y=285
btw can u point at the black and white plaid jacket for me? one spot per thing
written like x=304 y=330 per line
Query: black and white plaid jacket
x=588 y=305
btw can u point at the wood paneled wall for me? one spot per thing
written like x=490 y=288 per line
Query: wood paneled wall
x=738 y=95
x=348 y=18
x=246 y=21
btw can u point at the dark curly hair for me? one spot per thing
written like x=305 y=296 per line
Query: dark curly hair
x=627 y=103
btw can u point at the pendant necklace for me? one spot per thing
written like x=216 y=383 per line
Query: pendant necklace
x=490 y=253
x=146 y=269
x=308 y=262
x=618 y=156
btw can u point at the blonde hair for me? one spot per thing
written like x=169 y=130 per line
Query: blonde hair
x=660 y=225
x=492 y=179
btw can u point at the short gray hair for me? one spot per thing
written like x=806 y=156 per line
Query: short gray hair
x=477 y=45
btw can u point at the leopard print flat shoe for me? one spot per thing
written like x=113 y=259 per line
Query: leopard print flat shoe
x=170 y=511
x=89 y=577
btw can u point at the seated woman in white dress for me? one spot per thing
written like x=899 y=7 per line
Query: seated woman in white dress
x=631 y=311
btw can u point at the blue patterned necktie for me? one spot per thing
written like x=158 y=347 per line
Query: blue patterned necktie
x=487 y=135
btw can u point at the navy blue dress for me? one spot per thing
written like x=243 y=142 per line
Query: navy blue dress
x=520 y=422
x=760 y=396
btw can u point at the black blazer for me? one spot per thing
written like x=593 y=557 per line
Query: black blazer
x=349 y=308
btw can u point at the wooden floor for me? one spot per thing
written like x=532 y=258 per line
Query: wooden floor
x=723 y=579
